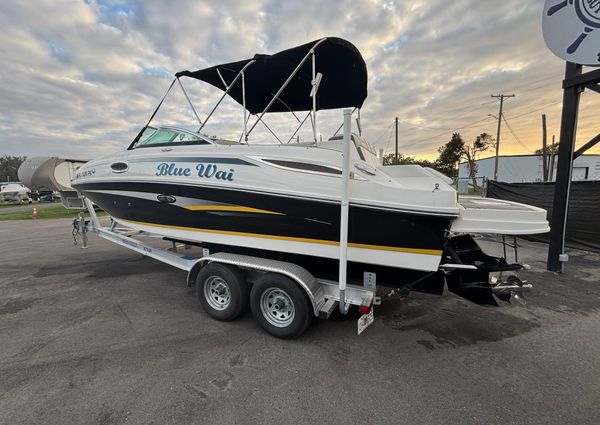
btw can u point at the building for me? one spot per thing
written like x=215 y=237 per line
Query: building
x=529 y=168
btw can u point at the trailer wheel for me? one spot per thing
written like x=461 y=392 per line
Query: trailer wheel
x=222 y=291
x=280 y=306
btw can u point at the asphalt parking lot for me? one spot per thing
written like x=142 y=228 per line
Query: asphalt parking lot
x=103 y=336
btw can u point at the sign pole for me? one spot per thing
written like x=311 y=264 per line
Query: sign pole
x=562 y=186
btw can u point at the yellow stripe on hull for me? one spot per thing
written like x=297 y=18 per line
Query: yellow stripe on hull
x=435 y=252
x=229 y=208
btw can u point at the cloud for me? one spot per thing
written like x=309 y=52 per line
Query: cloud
x=81 y=78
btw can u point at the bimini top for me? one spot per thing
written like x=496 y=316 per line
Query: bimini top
x=343 y=83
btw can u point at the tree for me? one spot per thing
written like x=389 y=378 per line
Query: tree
x=450 y=154
x=456 y=149
x=9 y=166
x=470 y=152
x=551 y=149
x=390 y=159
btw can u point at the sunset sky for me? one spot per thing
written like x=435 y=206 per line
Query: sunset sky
x=80 y=78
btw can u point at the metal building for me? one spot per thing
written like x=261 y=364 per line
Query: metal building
x=529 y=168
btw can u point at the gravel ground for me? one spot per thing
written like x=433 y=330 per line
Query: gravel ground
x=103 y=336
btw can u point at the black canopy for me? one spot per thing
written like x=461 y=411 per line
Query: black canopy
x=344 y=82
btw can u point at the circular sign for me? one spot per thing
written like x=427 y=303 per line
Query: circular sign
x=572 y=30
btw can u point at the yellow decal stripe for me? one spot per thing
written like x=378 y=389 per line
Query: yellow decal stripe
x=435 y=252
x=229 y=208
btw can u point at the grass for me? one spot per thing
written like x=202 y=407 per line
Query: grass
x=54 y=212
x=10 y=204
x=5 y=204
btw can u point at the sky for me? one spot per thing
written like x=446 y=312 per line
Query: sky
x=80 y=78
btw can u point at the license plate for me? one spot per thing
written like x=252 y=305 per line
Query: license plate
x=365 y=321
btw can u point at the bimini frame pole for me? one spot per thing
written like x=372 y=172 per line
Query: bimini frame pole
x=139 y=135
x=285 y=84
x=342 y=125
x=344 y=212
x=228 y=89
x=314 y=96
x=299 y=127
x=244 y=106
x=189 y=101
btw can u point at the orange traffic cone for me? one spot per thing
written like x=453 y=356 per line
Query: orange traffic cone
x=34 y=213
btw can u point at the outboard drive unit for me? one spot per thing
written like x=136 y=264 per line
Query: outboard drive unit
x=484 y=278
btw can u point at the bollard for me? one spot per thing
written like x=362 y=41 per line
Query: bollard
x=34 y=213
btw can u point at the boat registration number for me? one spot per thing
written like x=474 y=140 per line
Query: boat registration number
x=365 y=321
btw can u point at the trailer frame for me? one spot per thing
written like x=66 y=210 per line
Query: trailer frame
x=324 y=295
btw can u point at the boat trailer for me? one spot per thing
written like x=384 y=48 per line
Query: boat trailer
x=284 y=297
x=323 y=295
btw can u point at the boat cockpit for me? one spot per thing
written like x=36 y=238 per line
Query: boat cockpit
x=171 y=136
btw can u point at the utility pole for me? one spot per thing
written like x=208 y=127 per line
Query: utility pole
x=544 y=148
x=501 y=97
x=396 y=160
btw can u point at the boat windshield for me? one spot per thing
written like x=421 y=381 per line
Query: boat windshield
x=168 y=136
x=366 y=151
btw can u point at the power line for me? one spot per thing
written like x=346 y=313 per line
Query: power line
x=383 y=133
x=470 y=125
x=389 y=140
x=514 y=133
x=519 y=87
x=424 y=126
x=383 y=136
x=536 y=110
x=473 y=124
x=536 y=81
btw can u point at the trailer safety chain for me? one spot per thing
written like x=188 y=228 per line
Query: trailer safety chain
x=405 y=290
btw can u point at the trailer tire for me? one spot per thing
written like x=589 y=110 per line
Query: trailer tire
x=280 y=306
x=222 y=291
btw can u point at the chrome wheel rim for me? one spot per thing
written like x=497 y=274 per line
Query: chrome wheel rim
x=217 y=293
x=277 y=307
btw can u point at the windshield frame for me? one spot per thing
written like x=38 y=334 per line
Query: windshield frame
x=200 y=139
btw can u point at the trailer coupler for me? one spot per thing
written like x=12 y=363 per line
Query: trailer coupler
x=80 y=228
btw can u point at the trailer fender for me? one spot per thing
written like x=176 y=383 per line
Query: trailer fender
x=298 y=274
x=193 y=272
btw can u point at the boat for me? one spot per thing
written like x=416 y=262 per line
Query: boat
x=14 y=192
x=49 y=174
x=281 y=200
